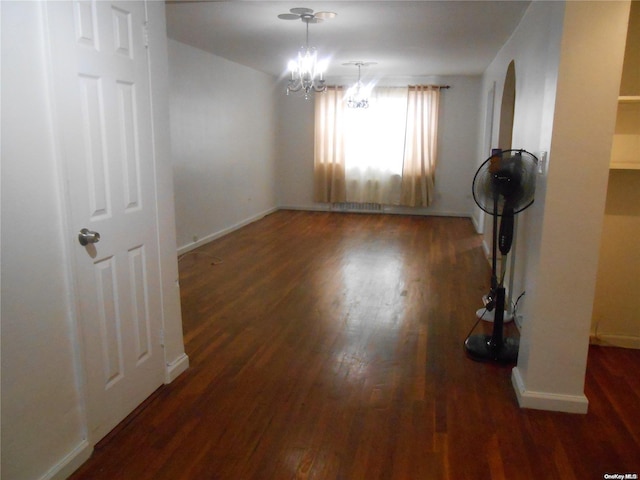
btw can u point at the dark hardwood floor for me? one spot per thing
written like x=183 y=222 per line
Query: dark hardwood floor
x=330 y=346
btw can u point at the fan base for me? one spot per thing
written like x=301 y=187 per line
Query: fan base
x=479 y=348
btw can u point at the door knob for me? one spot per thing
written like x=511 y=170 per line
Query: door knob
x=86 y=236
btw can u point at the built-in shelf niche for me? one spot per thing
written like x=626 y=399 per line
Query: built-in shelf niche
x=625 y=152
x=616 y=303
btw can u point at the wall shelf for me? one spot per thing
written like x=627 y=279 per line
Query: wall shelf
x=625 y=152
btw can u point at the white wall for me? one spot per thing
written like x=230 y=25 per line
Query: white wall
x=42 y=418
x=223 y=144
x=534 y=47
x=457 y=149
x=564 y=225
x=43 y=423
x=616 y=307
x=295 y=140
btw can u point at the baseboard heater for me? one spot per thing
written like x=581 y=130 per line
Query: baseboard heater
x=357 y=207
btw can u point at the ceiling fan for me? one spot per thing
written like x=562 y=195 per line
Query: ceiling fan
x=307 y=15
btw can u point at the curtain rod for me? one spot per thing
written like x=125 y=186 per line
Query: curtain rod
x=441 y=87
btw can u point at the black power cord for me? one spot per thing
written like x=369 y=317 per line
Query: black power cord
x=476 y=324
x=487 y=309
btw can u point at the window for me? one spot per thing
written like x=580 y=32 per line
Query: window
x=384 y=154
x=374 y=147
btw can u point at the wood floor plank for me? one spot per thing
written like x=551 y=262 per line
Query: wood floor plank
x=330 y=346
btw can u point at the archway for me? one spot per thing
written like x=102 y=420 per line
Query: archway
x=507 y=108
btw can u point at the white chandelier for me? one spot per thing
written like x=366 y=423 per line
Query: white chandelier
x=306 y=72
x=358 y=94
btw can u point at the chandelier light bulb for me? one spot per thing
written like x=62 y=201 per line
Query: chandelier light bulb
x=307 y=61
x=358 y=94
x=306 y=73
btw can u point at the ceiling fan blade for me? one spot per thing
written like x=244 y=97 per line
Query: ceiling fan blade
x=326 y=15
x=301 y=10
x=288 y=16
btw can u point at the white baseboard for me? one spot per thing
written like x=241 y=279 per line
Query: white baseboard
x=319 y=207
x=175 y=368
x=225 y=231
x=545 y=400
x=478 y=227
x=316 y=207
x=70 y=463
x=81 y=453
x=623 y=341
x=388 y=209
x=424 y=212
x=487 y=250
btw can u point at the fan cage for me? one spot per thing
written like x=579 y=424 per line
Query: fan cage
x=484 y=186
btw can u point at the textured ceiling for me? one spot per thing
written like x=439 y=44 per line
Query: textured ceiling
x=406 y=39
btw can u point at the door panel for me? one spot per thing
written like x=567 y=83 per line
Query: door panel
x=103 y=117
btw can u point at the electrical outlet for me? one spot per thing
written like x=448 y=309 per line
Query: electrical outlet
x=542 y=163
x=195 y=238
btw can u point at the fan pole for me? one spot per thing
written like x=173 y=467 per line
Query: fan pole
x=494 y=246
x=498 y=322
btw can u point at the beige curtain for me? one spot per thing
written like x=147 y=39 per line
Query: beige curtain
x=329 y=156
x=421 y=146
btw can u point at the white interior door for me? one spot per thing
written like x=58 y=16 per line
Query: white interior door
x=103 y=124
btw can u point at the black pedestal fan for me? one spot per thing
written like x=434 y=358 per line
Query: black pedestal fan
x=503 y=186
